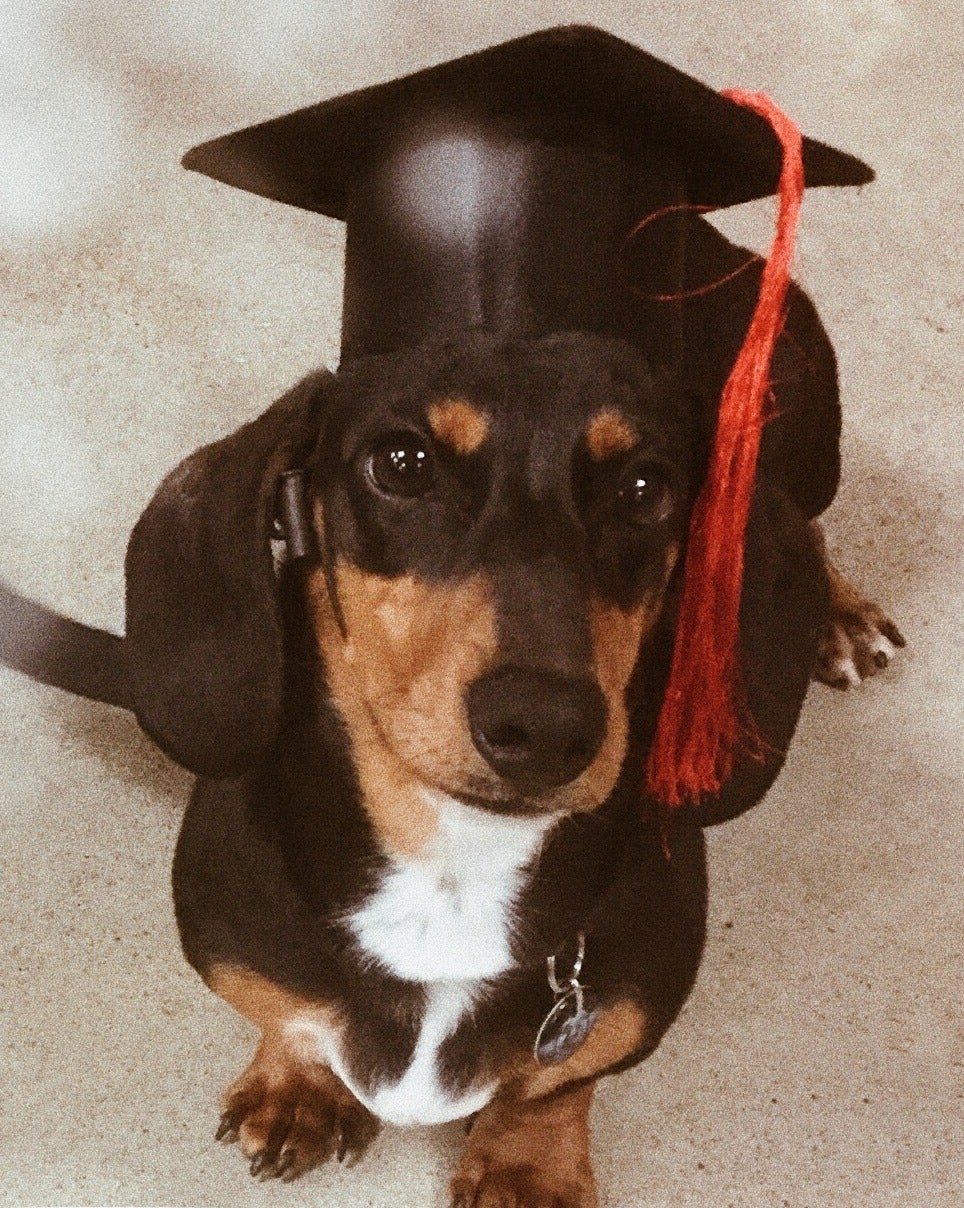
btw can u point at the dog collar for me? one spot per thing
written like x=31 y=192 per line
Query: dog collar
x=572 y=1016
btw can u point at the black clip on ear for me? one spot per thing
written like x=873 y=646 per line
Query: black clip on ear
x=292 y=523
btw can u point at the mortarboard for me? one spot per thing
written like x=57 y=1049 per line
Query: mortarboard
x=499 y=192
x=496 y=191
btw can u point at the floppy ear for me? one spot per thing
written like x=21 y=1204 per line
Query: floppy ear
x=783 y=609
x=204 y=641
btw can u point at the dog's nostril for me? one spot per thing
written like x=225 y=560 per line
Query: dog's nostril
x=537 y=729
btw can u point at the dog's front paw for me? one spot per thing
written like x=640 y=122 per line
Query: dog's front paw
x=859 y=641
x=289 y=1120
x=491 y=1185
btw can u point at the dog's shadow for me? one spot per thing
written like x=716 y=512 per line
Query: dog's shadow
x=896 y=539
x=111 y=738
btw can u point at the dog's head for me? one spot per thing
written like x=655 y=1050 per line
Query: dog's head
x=499 y=520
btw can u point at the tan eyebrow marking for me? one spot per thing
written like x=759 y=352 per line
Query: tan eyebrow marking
x=608 y=433
x=458 y=424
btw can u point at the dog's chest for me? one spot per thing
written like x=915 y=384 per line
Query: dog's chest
x=448 y=913
x=443 y=919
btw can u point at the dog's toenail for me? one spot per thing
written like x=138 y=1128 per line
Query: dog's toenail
x=227 y=1128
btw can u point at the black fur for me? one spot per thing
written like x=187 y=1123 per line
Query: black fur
x=204 y=644
x=229 y=681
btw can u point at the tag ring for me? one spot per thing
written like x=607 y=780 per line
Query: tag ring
x=572 y=981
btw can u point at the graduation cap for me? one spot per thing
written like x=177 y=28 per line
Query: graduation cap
x=497 y=192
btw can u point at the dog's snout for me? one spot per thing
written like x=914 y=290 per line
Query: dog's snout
x=537 y=729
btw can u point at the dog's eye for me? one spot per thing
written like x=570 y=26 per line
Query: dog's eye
x=401 y=464
x=643 y=495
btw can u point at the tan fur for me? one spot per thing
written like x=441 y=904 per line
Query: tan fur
x=288 y=1106
x=619 y=1031
x=314 y=1112
x=845 y=599
x=617 y=635
x=261 y=1001
x=529 y=1153
x=459 y=425
x=532 y=1141
x=398 y=680
x=609 y=433
x=270 y=1007
x=859 y=639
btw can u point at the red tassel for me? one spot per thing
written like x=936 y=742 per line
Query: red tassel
x=704 y=725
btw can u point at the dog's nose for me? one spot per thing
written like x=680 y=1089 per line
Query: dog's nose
x=537 y=729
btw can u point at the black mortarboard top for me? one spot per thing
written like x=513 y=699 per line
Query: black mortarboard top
x=497 y=191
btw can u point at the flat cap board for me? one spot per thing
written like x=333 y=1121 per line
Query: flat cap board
x=579 y=73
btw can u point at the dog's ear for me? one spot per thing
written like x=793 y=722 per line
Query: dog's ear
x=782 y=614
x=783 y=610
x=204 y=642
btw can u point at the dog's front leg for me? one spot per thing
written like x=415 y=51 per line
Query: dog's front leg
x=288 y=1111
x=531 y=1153
x=529 y=1147
x=860 y=638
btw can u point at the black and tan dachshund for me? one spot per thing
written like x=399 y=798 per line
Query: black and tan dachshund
x=412 y=627
x=420 y=857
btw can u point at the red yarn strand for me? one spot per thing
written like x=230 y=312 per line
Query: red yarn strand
x=704 y=725
x=700 y=290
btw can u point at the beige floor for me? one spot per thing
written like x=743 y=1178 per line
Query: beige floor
x=145 y=310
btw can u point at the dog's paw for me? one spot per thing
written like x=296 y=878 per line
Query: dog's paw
x=288 y=1121
x=859 y=641
x=491 y=1185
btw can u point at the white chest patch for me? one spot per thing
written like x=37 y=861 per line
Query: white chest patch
x=418 y=1097
x=445 y=919
x=448 y=913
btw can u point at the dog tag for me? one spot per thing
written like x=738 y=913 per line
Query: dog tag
x=566 y=1027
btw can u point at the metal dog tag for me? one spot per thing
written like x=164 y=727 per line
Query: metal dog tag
x=566 y=1027
x=573 y=1014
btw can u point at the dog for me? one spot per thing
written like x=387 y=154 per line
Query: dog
x=412 y=627
x=420 y=857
